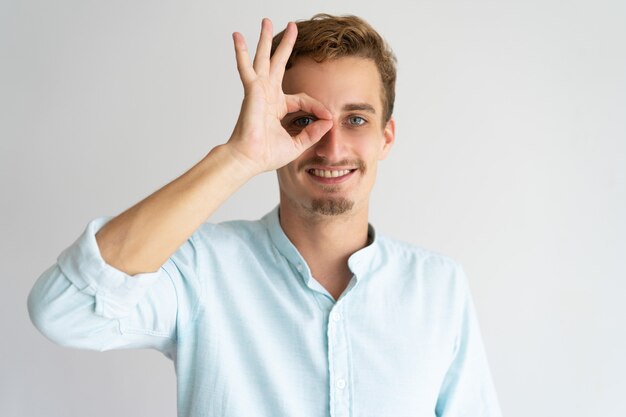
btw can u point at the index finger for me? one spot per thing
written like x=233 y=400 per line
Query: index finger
x=306 y=103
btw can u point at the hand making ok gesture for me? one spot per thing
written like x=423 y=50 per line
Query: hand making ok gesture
x=259 y=139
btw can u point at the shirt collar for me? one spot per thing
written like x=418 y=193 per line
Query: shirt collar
x=360 y=262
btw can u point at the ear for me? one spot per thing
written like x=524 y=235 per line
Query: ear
x=389 y=134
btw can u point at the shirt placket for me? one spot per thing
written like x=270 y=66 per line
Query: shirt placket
x=338 y=363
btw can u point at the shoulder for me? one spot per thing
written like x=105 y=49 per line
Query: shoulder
x=228 y=242
x=412 y=262
x=409 y=253
x=216 y=242
x=229 y=232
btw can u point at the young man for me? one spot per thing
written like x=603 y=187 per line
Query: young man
x=306 y=312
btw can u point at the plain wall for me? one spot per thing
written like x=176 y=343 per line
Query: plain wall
x=510 y=157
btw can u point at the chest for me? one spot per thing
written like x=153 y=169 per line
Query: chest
x=277 y=348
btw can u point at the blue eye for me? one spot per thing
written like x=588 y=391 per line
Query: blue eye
x=303 y=121
x=356 y=121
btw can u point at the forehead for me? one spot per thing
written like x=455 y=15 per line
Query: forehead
x=336 y=82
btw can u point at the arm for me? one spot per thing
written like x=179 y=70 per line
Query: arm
x=119 y=285
x=143 y=237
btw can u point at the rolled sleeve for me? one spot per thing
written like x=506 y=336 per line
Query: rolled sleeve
x=116 y=293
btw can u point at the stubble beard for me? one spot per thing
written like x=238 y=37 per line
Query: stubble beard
x=331 y=206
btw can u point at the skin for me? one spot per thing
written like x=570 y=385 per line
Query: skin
x=349 y=88
x=143 y=237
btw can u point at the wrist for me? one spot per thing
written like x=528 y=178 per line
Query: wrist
x=239 y=165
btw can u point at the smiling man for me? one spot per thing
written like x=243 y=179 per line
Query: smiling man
x=306 y=312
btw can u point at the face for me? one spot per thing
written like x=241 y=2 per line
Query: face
x=336 y=175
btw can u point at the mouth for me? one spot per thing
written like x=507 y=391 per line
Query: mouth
x=329 y=173
x=330 y=176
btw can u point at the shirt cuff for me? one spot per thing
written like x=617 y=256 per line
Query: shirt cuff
x=116 y=293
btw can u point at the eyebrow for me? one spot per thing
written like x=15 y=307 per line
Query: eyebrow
x=360 y=107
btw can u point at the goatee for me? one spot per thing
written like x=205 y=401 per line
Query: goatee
x=331 y=206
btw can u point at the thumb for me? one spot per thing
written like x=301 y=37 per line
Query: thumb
x=311 y=134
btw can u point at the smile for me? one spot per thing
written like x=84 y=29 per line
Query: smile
x=325 y=173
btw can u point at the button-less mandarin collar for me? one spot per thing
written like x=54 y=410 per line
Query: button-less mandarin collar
x=360 y=263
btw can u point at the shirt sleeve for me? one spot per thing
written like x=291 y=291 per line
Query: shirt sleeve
x=83 y=302
x=467 y=389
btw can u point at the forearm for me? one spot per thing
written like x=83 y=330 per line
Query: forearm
x=143 y=237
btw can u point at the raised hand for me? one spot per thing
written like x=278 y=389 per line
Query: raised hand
x=259 y=140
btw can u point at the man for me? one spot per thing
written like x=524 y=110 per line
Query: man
x=306 y=312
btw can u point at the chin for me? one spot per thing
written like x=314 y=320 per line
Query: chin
x=331 y=206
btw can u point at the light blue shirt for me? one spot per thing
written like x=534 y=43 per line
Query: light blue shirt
x=252 y=333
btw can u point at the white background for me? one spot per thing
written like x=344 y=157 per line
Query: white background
x=510 y=157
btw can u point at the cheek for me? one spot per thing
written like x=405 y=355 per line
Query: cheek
x=371 y=148
x=289 y=171
x=283 y=175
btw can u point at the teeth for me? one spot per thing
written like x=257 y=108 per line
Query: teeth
x=329 y=174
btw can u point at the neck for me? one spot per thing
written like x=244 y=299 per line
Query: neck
x=326 y=242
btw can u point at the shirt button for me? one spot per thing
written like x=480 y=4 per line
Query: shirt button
x=341 y=383
x=300 y=267
x=336 y=316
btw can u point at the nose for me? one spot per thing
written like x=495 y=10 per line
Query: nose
x=331 y=145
